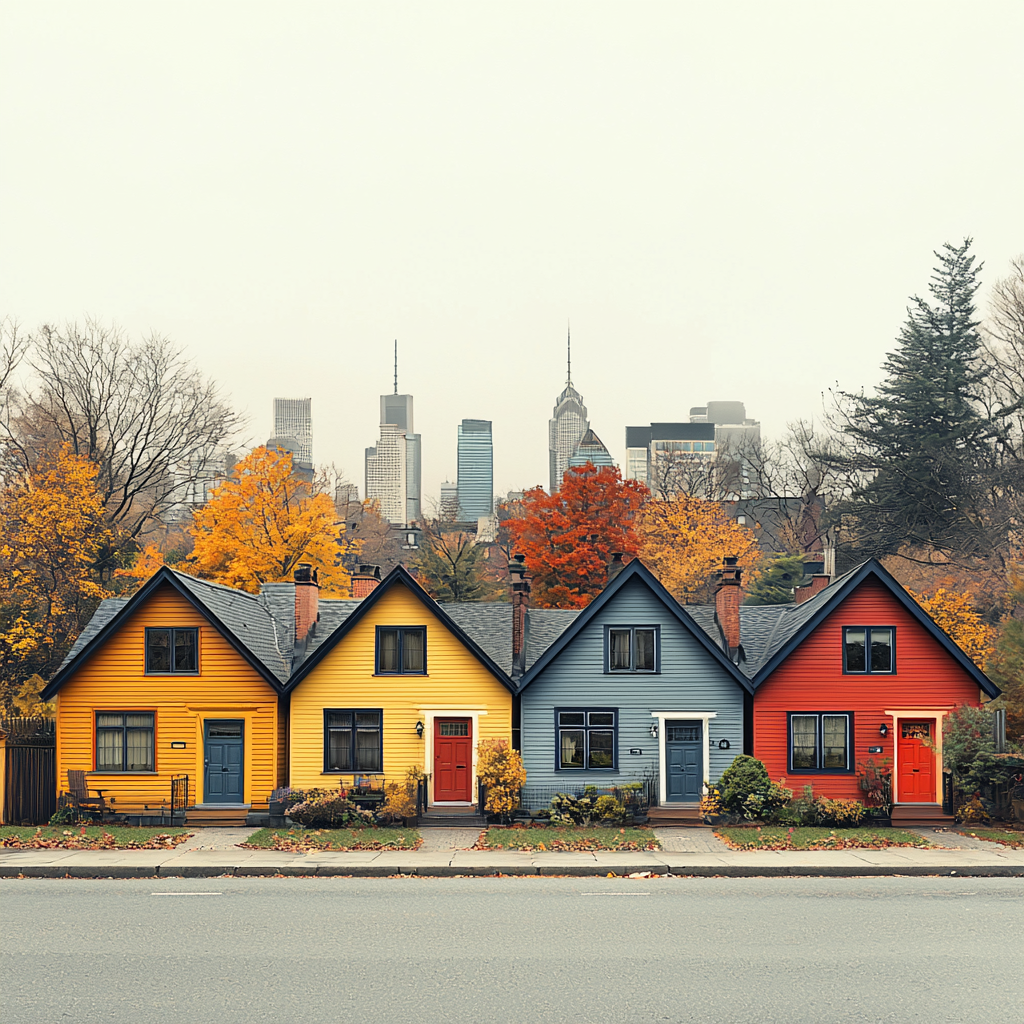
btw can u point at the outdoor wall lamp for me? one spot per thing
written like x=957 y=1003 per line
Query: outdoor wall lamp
x=419 y=729
x=654 y=730
x=883 y=730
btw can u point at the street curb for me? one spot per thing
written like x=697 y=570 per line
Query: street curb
x=526 y=869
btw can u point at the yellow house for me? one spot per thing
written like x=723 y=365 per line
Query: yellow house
x=397 y=685
x=179 y=681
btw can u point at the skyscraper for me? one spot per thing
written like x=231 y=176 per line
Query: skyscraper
x=476 y=470
x=293 y=417
x=566 y=427
x=591 y=449
x=396 y=412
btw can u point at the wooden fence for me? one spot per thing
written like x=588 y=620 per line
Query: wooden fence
x=30 y=770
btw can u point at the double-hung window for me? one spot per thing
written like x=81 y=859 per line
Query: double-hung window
x=820 y=741
x=352 y=740
x=172 y=651
x=401 y=650
x=632 y=649
x=124 y=741
x=869 y=649
x=586 y=738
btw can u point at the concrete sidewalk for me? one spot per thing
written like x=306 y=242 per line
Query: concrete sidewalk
x=207 y=863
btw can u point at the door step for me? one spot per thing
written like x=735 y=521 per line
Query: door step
x=675 y=817
x=224 y=817
x=920 y=815
x=453 y=821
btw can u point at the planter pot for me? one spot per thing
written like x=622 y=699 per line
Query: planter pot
x=411 y=821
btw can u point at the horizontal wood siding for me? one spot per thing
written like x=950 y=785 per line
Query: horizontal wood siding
x=113 y=679
x=690 y=680
x=812 y=679
x=345 y=679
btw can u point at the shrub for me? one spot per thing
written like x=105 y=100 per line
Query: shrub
x=745 y=788
x=710 y=801
x=838 y=813
x=610 y=811
x=400 y=799
x=500 y=769
x=327 y=808
x=876 y=781
x=567 y=809
x=68 y=814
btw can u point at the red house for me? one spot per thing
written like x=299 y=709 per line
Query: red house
x=856 y=671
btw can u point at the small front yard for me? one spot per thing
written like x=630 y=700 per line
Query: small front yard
x=779 y=837
x=90 y=837
x=1011 y=837
x=306 y=839
x=567 y=839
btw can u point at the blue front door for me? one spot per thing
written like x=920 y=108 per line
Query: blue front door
x=223 y=750
x=684 y=753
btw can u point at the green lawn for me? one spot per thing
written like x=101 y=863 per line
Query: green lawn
x=91 y=837
x=779 y=837
x=566 y=838
x=296 y=840
x=1013 y=837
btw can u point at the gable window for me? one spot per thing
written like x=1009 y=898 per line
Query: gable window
x=124 y=741
x=632 y=649
x=401 y=650
x=869 y=649
x=353 y=740
x=172 y=651
x=820 y=741
x=586 y=738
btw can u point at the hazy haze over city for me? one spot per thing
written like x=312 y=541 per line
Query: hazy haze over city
x=728 y=202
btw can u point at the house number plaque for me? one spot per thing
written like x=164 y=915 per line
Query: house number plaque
x=635 y=750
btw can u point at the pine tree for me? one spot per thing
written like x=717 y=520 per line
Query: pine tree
x=777 y=581
x=922 y=444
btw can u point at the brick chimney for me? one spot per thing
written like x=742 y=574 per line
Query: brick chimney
x=727 y=601
x=520 y=604
x=307 y=601
x=365 y=581
x=819 y=581
x=615 y=566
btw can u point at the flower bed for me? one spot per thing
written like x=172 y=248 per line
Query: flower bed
x=566 y=839
x=91 y=837
x=782 y=838
x=304 y=840
x=996 y=835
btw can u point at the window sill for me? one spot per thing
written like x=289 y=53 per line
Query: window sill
x=399 y=675
x=575 y=771
x=117 y=775
x=821 y=771
x=340 y=771
x=632 y=671
x=165 y=674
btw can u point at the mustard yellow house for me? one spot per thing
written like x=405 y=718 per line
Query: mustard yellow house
x=398 y=684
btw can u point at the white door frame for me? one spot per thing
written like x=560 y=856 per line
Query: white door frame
x=681 y=716
x=428 y=715
x=916 y=714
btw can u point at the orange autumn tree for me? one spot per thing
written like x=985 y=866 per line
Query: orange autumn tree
x=954 y=613
x=262 y=523
x=52 y=534
x=683 y=542
x=568 y=537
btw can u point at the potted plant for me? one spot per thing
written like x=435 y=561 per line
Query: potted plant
x=876 y=781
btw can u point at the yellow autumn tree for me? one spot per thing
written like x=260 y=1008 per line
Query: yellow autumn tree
x=52 y=533
x=262 y=523
x=683 y=542
x=954 y=613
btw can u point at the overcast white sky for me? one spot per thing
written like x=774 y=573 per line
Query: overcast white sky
x=729 y=201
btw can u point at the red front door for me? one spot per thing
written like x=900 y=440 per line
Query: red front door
x=453 y=758
x=916 y=784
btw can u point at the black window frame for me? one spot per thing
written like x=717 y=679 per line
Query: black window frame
x=172 y=646
x=328 y=770
x=123 y=728
x=868 y=670
x=609 y=629
x=820 y=742
x=587 y=729
x=401 y=630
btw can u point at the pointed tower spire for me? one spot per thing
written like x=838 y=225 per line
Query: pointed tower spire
x=568 y=353
x=396 y=366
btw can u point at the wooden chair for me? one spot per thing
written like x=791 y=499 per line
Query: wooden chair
x=80 y=794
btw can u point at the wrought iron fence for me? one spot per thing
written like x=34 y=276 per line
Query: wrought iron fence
x=538 y=798
x=179 y=798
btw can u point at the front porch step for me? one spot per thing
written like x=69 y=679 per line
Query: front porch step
x=233 y=815
x=676 y=817
x=920 y=816
x=457 y=820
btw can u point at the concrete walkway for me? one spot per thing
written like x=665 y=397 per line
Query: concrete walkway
x=215 y=839
x=954 y=841
x=689 y=840
x=211 y=863
x=441 y=840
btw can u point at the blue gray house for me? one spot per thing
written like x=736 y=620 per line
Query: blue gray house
x=632 y=687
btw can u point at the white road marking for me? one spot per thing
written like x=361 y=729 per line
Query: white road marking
x=615 y=894
x=186 y=894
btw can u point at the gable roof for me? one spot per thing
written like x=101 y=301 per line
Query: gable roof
x=241 y=618
x=635 y=570
x=770 y=633
x=399 y=576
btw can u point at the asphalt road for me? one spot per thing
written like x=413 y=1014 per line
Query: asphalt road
x=522 y=950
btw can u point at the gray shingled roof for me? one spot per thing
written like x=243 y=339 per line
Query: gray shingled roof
x=543 y=627
x=107 y=609
x=333 y=612
x=489 y=625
